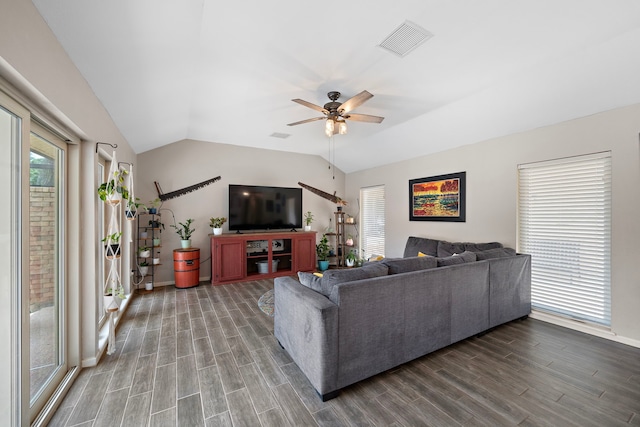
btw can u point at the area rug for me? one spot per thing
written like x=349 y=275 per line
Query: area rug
x=265 y=303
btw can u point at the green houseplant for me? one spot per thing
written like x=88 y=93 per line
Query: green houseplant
x=350 y=259
x=216 y=224
x=322 y=250
x=154 y=205
x=185 y=231
x=112 y=245
x=132 y=208
x=308 y=219
x=114 y=189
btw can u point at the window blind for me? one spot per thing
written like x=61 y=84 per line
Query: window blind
x=564 y=222
x=372 y=220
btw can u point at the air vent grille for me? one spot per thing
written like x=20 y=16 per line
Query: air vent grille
x=405 y=38
x=280 y=135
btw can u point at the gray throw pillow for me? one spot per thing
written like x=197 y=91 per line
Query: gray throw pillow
x=331 y=278
x=404 y=265
x=310 y=280
x=495 y=253
x=420 y=244
x=457 y=259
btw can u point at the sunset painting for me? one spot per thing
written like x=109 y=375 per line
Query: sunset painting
x=437 y=198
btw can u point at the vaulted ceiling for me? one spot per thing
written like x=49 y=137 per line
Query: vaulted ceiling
x=226 y=72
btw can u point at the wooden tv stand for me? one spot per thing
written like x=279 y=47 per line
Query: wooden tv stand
x=240 y=257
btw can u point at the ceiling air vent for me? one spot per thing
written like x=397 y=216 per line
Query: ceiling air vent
x=280 y=135
x=405 y=38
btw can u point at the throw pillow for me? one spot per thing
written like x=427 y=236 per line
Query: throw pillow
x=310 y=280
x=420 y=244
x=404 y=265
x=495 y=253
x=454 y=259
x=332 y=278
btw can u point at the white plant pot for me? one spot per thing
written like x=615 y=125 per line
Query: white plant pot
x=217 y=231
x=148 y=286
x=114 y=198
x=185 y=244
x=307 y=228
x=156 y=261
x=145 y=254
x=350 y=262
x=111 y=303
x=144 y=270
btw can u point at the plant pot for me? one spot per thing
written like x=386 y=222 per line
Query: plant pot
x=185 y=244
x=148 y=286
x=144 y=234
x=110 y=303
x=217 y=231
x=114 y=199
x=112 y=251
x=145 y=254
x=349 y=242
x=129 y=214
x=323 y=265
x=156 y=261
x=156 y=241
x=144 y=270
x=307 y=228
x=152 y=211
x=339 y=208
x=350 y=262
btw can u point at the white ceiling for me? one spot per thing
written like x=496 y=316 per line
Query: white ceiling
x=226 y=71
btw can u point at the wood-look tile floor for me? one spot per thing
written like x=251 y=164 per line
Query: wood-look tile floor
x=206 y=356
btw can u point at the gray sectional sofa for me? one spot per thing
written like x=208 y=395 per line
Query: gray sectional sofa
x=354 y=323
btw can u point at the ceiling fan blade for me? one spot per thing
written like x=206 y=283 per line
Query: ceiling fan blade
x=310 y=105
x=306 y=121
x=364 y=118
x=354 y=102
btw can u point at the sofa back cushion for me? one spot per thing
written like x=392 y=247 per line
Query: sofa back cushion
x=404 y=265
x=466 y=256
x=495 y=253
x=446 y=249
x=331 y=278
x=310 y=280
x=420 y=244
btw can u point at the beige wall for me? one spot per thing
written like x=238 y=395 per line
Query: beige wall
x=491 y=168
x=189 y=162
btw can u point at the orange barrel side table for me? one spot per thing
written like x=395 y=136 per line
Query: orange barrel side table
x=186 y=266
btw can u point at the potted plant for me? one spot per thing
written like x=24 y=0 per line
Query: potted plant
x=322 y=250
x=110 y=303
x=156 y=259
x=112 y=245
x=308 y=219
x=154 y=205
x=132 y=208
x=143 y=267
x=350 y=259
x=185 y=231
x=216 y=224
x=114 y=190
x=349 y=241
x=144 y=251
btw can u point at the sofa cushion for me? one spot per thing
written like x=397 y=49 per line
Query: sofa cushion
x=420 y=244
x=446 y=249
x=310 y=280
x=466 y=256
x=404 y=265
x=331 y=278
x=495 y=253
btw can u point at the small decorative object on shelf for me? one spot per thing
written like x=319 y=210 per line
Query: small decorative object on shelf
x=216 y=224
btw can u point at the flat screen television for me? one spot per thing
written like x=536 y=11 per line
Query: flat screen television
x=254 y=207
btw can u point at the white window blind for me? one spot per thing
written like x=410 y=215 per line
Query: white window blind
x=372 y=220
x=565 y=225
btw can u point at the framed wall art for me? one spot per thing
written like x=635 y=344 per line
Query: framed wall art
x=438 y=198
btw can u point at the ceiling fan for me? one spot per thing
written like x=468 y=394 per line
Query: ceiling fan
x=336 y=113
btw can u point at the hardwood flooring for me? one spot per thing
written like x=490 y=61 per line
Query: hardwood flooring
x=206 y=356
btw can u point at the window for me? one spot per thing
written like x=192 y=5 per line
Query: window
x=372 y=221
x=565 y=224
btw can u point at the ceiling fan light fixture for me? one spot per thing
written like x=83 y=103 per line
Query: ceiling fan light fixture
x=329 y=127
x=342 y=128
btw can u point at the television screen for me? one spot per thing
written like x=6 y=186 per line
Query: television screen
x=254 y=207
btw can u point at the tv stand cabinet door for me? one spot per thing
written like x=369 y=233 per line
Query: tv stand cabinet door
x=305 y=252
x=228 y=260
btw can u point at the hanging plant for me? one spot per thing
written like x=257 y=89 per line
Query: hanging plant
x=114 y=190
x=112 y=245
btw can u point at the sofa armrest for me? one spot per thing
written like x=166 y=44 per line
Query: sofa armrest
x=306 y=325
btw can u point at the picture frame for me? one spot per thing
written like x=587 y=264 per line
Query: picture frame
x=438 y=198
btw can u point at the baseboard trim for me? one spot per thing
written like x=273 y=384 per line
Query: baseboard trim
x=587 y=328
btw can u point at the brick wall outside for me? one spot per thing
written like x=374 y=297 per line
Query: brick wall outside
x=42 y=244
